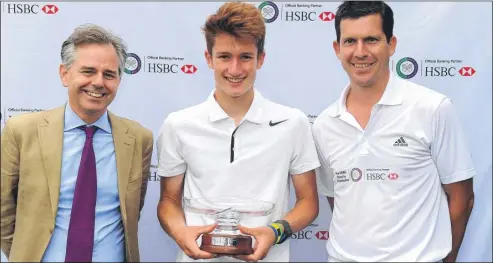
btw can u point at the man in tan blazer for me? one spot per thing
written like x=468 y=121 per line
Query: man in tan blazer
x=55 y=162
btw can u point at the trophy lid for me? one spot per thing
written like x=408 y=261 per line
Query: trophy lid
x=246 y=207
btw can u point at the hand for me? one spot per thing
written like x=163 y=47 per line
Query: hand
x=450 y=257
x=186 y=239
x=264 y=240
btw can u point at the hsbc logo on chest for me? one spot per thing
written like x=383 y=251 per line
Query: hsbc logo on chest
x=381 y=174
x=393 y=176
x=375 y=176
x=32 y=9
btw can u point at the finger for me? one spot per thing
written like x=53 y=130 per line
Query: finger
x=196 y=253
x=256 y=256
x=207 y=228
x=246 y=230
x=191 y=248
x=260 y=250
x=204 y=255
x=248 y=258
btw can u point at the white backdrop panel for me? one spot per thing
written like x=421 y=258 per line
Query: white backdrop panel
x=301 y=70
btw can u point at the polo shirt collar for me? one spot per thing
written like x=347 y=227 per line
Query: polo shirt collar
x=391 y=96
x=393 y=92
x=254 y=114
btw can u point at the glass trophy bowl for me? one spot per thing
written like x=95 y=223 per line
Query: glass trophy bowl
x=227 y=212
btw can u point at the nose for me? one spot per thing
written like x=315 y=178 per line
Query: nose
x=98 y=80
x=361 y=52
x=235 y=67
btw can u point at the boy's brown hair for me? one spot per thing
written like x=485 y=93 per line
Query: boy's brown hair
x=238 y=19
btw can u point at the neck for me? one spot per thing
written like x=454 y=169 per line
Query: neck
x=368 y=95
x=88 y=118
x=235 y=107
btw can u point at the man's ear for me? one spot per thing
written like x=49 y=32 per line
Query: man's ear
x=337 y=50
x=260 y=60
x=208 y=59
x=63 y=71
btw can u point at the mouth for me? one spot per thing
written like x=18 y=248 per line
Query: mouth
x=362 y=65
x=235 y=81
x=96 y=95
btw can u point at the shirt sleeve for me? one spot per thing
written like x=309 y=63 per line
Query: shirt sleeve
x=170 y=157
x=304 y=156
x=449 y=148
x=324 y=173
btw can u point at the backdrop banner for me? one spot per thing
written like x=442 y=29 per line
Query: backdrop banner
x=443 y=46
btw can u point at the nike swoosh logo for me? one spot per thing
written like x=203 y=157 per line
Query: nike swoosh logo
x=275 y=123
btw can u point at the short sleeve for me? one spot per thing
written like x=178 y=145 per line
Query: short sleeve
x=170 y=157
x=324 y=173
x=304 y=156
x=449 y=148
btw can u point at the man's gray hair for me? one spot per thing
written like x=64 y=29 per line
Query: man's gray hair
x=91 y=33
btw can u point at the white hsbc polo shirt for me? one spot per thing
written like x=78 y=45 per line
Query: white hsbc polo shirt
x=387 y=180
x=253 y=160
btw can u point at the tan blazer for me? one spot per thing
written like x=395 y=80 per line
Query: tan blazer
x=31 y=165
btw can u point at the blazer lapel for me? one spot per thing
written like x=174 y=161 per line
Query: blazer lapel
x=124 y=148
x=50 y=132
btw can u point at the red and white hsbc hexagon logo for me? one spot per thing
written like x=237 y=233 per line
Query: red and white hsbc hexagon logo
x=467 y=71
x=322 y=235
x=393 y=176
x=326 y=16
x=50 y=9
x=189 y=69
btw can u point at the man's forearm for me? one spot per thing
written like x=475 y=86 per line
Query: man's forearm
x=460 y=210
x=303 y=213
x=171 y=217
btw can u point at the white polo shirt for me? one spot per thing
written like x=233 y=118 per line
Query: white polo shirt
x=253 y=160
x=387 y=180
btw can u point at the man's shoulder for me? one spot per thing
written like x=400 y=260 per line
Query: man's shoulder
x=420 y=95
x=280 y=111
x=32 y=119
x=326 y=114
x=188 y=114
x=135 y=127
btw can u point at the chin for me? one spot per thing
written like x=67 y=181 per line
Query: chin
x=93 y=109
x=363 y=82
x=234 y=92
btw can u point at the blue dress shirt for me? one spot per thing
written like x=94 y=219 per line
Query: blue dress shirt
x=109 y=239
